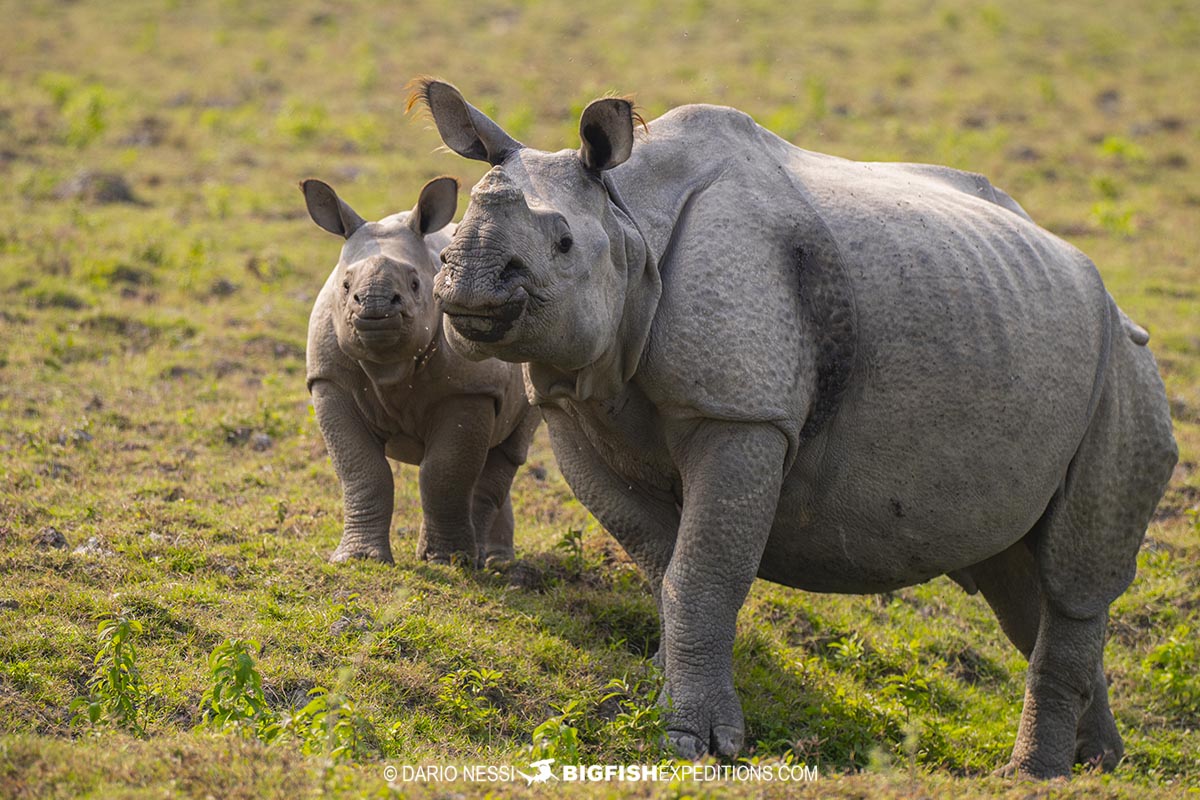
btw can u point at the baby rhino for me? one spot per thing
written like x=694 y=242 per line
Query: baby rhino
x=384 y=384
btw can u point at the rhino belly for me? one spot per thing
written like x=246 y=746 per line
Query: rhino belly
x=870 y=507
x=405 y=449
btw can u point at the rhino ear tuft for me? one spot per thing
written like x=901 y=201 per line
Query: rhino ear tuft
x=465 y=129
x=606 y=132
x=435 y=207
x=328 y=210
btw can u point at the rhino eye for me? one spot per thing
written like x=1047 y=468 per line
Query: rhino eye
x=564 y=244
x=416 y=284
x=346 y=285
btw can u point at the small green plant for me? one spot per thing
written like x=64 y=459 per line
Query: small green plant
x=848 y=649
x=235 y=700
x=641 y=720
x=466 y=695
x=1171 y=667
x=571 y=544
x=1122 y=149
x=911 y=689
x=116 y=692
x=329 y=724
x=557 y=737
x=1116 y=218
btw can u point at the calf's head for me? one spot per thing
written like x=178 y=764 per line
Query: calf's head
x=384 y=310
x=537 y=269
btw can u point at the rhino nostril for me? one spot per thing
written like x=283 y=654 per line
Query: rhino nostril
x=513 y=269
x=396 y=299
x=357 y=299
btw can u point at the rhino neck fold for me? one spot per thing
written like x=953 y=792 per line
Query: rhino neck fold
x=616 y=366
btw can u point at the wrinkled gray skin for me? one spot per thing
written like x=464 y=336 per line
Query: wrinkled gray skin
x=839 y=376
x=384 y=384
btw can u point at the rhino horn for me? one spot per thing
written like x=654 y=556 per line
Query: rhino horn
x=496 y=187
x=465 y=129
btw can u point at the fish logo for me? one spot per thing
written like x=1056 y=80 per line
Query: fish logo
x=543 y=773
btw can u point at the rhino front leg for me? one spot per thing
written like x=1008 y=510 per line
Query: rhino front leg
x=731 y=474
x=363 y=470
x=456 y=448
x=642 y=520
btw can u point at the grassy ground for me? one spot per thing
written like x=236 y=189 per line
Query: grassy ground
x=152 y=387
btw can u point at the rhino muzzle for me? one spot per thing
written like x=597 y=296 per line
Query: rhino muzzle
x=376 y=306
x=482 y=300
x=486 y=323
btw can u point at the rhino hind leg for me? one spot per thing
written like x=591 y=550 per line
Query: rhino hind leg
x=1086 y=555
x=491 y=510
x=491 y=506
x=1008 y=581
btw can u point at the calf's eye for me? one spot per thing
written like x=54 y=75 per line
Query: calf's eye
x=564 y=244
x=346 y=285
x=416 y=284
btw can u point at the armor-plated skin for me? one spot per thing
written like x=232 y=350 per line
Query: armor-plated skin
x=839 y=376
x=385 y=384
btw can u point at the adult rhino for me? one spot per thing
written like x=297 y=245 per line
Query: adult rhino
x=838 y=376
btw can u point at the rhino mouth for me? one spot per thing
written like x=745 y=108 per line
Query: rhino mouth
x=375 y=329
x=486 y=324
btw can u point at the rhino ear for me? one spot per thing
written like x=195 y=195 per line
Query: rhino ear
x=465 y=129
x=606 y=130
x=435 y=207
x=328 y=210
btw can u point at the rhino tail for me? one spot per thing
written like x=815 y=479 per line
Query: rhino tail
x=1136 y=333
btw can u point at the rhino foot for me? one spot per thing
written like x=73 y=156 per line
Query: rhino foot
x=1099 y=754
x=710 y=723
x=1015 y=771
x=724 y=741
x=499 y=560
x=455 y=559
x=346 y=552
x=686 y=746
x=1097 y=742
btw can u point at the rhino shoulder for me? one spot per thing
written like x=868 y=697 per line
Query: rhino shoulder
x=714 y=128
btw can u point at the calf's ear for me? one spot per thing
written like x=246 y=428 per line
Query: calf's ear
x=435 y=207
x=328 y=210
x=606 y=130
x=465 y=129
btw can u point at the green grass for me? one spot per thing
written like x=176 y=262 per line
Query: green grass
x=145 y=346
